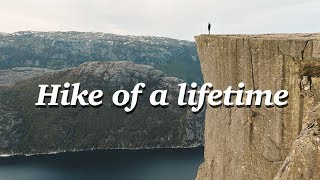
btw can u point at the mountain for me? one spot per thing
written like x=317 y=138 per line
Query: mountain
x=59 y=50
x=27 y=129
x=10 y=76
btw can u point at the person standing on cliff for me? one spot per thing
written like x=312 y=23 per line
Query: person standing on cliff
x=209 y=27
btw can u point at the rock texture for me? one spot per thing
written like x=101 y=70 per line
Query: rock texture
x=303 y=162
x=252 y=143
x=27 y=129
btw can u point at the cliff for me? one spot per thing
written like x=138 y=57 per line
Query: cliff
x=252 y=143
x=303 y=161
x=27 y=129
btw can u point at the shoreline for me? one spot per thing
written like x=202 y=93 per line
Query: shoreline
x=98 y=149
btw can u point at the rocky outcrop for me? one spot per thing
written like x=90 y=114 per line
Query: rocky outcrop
x=303 y=161
x=27 y=129
x=252 y=143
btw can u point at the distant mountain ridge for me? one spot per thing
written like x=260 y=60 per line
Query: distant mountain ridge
x=59 y=50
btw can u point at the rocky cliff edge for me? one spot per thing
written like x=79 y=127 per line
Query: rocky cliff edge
x=261 y=142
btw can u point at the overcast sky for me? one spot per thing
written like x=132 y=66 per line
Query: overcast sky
x=180 y=19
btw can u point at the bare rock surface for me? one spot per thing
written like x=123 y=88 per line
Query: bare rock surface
x=303 y=161
x=252 y=143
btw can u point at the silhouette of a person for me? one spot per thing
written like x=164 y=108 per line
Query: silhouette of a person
x=209 y=27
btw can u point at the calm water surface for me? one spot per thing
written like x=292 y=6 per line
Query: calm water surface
x=162 y=164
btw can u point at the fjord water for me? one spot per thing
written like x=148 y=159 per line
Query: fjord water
x=159 y=164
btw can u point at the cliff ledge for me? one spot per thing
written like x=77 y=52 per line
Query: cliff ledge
x=260 y=142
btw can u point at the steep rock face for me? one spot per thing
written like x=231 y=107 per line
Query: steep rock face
x=303 y=162
x=59 y=50
x=251 y=143
x=27 y=129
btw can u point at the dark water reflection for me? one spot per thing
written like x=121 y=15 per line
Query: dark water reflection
x=161 y=164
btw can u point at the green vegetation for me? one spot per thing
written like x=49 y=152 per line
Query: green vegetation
x=66 y=128
x=189 y=71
